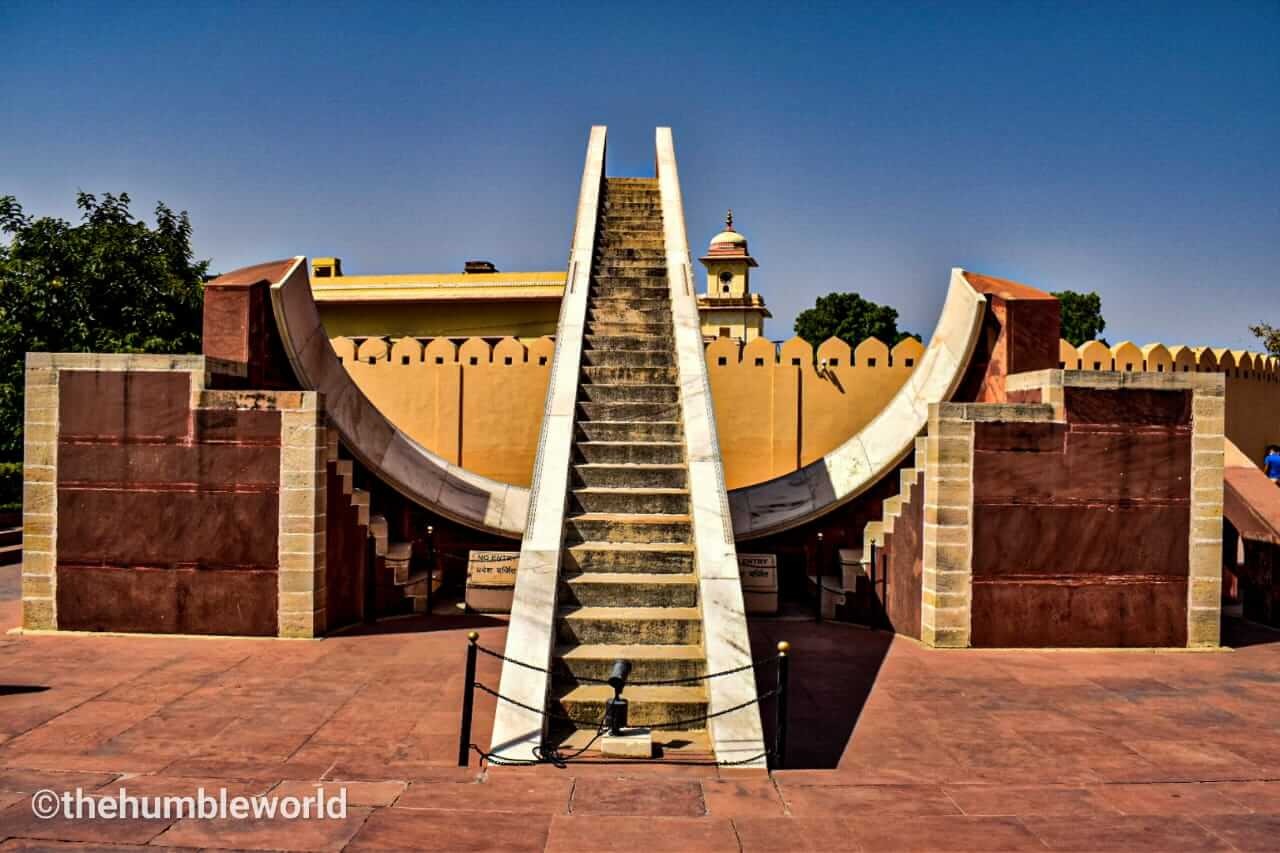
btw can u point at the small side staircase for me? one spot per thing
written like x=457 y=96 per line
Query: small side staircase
x=393 y=560
x=877 y=533
x=858 y=572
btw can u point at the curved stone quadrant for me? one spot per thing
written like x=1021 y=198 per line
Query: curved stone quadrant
x=493 y=506
x=371 y=437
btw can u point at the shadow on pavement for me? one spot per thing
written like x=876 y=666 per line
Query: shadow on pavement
x=833 y=668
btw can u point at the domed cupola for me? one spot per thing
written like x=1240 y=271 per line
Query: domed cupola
x=729 y=308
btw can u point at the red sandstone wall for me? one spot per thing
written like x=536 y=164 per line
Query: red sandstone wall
x=347 y=553
x=1019 y=334
x=1080 y=530
x=899 y=589
x=167 y=517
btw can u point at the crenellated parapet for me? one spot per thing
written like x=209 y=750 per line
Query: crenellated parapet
x=831 y=354
x=1127 y=357
x=779 y=405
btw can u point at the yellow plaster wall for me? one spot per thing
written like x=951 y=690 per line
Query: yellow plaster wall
x=475 y=405
x=776 y=413
x=777 y=407
x=1253 y=381
x=488 y=318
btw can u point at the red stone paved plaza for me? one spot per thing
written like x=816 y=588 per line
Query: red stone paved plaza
x=894 y=746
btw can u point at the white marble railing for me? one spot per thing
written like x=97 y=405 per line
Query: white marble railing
x=736 y=736
x=531 y=631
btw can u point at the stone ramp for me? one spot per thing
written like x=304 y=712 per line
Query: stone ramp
x=628 y=550
x=1251 y=504
x=1252 y=501
x=629 y=495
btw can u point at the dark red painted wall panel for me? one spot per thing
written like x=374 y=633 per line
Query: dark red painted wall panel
x=113 y=404
x=172 y=466
x=163 y=601
x=1021 y=435
x=1092 y=613
x=1129 y=407
x=238 y=427
x=346 y=553
x=1058 y=539
x=1094 y=466
x=1080 y=533
x=167 y=528
x=167 y=517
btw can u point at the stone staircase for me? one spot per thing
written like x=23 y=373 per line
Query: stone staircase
x=395 y=569
x=856 y=563
x=877 y=533
x=628 y=587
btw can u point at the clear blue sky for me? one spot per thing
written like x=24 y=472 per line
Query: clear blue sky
x=1125 y=147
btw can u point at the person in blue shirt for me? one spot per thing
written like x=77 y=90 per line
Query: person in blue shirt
x=1271 y=465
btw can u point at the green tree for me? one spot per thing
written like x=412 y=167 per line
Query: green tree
x=1081 y=316
x=850 y=318
x=1270 y=337
x=108 y=284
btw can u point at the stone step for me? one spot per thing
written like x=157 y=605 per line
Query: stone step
x=675 y=476
x=639 y=227
x=10 y=554
x=627 y=358
x=660 y=625
x=611 y=255
x=630 y=239
x=638 y=202
x=658 y=333
x=634 y=284
x=660 y=375
x=627 y=527
x=891 y=509
x=629 y=589
x=624 y=302
x=606 y=291
x=416 y=585
x=10 y=536
x=681 y=745
x=628 y=431
x=629 y=452
x=646 y=706
x=620 y=312
x=398 y=556
x=629 y=269
x=627 y=343
x=590 y=393
x=591 y=411
x=648 y=662
x=613 y=557
x=629 y=500
x=360 y=500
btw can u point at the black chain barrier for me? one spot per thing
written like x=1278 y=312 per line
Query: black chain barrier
x=546 y=754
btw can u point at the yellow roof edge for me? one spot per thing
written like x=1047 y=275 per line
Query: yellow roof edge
x=451 y=279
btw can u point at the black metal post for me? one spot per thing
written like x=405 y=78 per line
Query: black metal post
x=818 y=569
x=468 y=700
x=370 y=614
x=431 y=564
x=780 y=707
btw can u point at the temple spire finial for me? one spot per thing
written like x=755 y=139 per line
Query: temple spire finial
x=728 y=220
